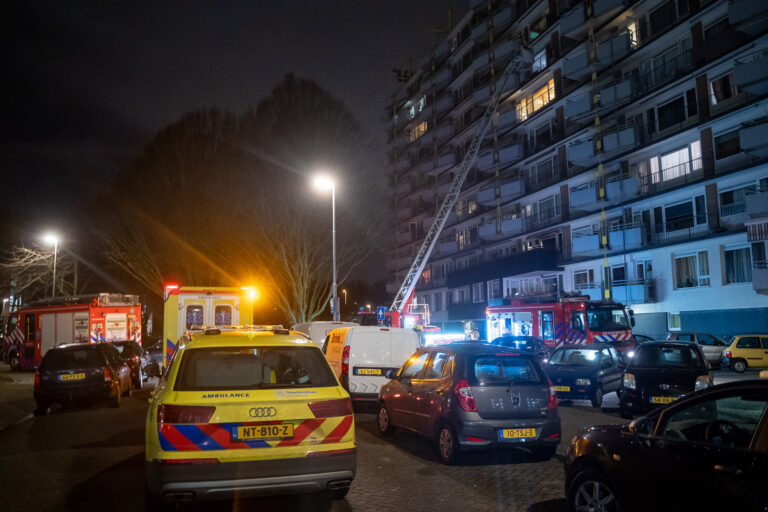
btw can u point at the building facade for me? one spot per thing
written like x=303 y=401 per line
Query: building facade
x=628 y=159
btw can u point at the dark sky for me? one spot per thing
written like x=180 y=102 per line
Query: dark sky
x=87 y=84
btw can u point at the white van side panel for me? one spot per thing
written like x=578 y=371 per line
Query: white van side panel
x=404 y=344
x=369 y=348
x=317 y=331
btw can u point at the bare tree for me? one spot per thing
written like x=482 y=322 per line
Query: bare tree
x=28 y=272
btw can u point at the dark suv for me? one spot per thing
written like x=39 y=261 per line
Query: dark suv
x=473 y=396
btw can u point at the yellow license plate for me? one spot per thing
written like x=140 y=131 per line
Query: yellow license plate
x=72 y=376
x=279 y=431
x=562 y=388
x=518 y=433
x=368 y=371
x=663 y=399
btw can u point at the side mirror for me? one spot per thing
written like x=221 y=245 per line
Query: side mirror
x=632 y=321
x=391 y=374
x=641 y=426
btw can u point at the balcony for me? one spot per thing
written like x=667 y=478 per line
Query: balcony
x=479 y=30
x=584 y=195
x=502 y=18
x=585 y=244
x=443 y=78
x=576 y=67
x=581 y=151
x=573 y=24
x=511 y=154
x=618 y=188
x=748 y=15
x=444 y=133
x=629 y=236
x=444 y=104
x=512 y=225
x=575 y=107
x=446 y=159
x=504 y=49
x=751 y=73
x=612 y=50
x=757 y=204
x=752 y=139
x=619 y=139
x=466 y=311
x=757 y=230
x=591 y=290
x=606 y=8
x=511 y=188
x=482 y=95
x=403 y=237
x=505 y=119
x=448 y=248
x=616 y=93
x=487 y=231
x=485 y=160
x=733 y=214
x=760 y=276
x=391 y=288
x=633 y=291
x=487 y=195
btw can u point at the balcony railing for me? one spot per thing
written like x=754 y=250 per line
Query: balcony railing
x=673 y=176
x=733 y=214
x=760 y=276
x=635 y=291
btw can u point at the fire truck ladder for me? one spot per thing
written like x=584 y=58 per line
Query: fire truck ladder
x=417 y=267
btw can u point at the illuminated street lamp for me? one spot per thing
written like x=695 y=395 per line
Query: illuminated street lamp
x=345 y=296
x=50 y=238
x=324 y=182
x=368 y=306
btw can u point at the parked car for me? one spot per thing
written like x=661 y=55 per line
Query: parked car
x=79 y=372
x=531 y=344
x=707 y=451
x=660 y=373
x=746 y=351
x=469 y=396
x=641 y=338
x=711 y=345
x=136 y=358
x=248 y=413
x=585 y=372
x=155 y=351
x=361 y=356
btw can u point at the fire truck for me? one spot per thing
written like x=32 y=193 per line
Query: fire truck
x=38 y=326
x=414 y=316
x=563 y=320
x=189 y=308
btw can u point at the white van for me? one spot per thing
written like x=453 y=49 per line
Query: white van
x=360 y=356
x=317 y=331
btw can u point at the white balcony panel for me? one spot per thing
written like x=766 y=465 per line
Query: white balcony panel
x=584 y=245
x=485 y=160
x=573 y=23
x=487 y=231
x=760 y=279
x=629 y=293
x=576 y=67
x=621 y=139
x=446 y=159
x=629 y=238
x=511 y=154
x=507 y=118
x=447 y=248
x=752 y=139
x=512 y=226
x=444 y=132
x=581 y=151
x=751 y=73
x=593 y=292
x=747 y=14
x=610 y=51
x=618 y=189
x=444 y=103
x=487 y=195
x=584 y=195
x=578 y=106
x=757 y=205
x=483 y=94
x=616 y=93
x=510 y=189
x=504 y=49
x=479 y=30
x=503 y=17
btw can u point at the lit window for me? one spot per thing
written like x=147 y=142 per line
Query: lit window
x=633 y=36
x=477 y=292
x=411 y=112
x=422 y=102
x=722 y=88
x=537 y=100
x=692 y=270
x=674 y=321
x=418 y=131
x=494 y=289
x=540 y=61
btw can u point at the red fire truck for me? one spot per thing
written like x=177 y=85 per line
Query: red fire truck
x=563 y=320
x=415 y=316
x=36 y=327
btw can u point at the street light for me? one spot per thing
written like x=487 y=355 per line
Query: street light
x=345 y=296
x=368 y=306
x=324 y=182
x=50 y=238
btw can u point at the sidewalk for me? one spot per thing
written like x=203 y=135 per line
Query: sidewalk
x=16 y=401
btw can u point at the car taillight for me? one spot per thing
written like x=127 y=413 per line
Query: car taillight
x=330 y=408
x=552 y=395
x=728 y=354
x=184 y=413
x=345 y=360
x=464 y=396
x=107 y=375
x=37 y=379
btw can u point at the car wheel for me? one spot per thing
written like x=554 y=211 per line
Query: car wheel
x=115 y=400
x=597 y=397
x=14 y=362
x=591 y=490
x=739 y=365
x=447 y=445
x=41 y=408
x=543 y=453
x=385 y=425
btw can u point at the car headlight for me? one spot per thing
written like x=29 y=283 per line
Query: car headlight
x=629 y=381
x=702 y=382
x=583 y=382
x=631 y=354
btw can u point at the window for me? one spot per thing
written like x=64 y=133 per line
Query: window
x=727 y=144
x=223 y=315
x=194 y=316
x=692 y=271
x=413 y=366
x=663 y=17
x=29 y=327
x=671 y=113
x=720 y=89
x=539 y=61
x=546 y=324
x=437 y=301
x=460 y=295
x=494 y=289
x=436 y=369
x=418 y=131
x=748 y=342
x=477 y=292
x=634 y=39
x=530 y=104
x=547 y=209
x=738 y=265
x=673 y=321
x=577 y=320
x=421 y=103
x=584 y=279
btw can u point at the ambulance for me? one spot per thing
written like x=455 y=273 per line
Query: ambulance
x=189 y=308
x=40 y=325
x=561 y=320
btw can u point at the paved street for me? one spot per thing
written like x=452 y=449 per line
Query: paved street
x=81 y=458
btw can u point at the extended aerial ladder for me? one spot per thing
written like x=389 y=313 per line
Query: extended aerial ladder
x=405 y=293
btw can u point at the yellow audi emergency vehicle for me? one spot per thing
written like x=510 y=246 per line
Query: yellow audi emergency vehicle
x=248 y=412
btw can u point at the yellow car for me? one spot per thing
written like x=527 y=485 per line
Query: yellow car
x=248 y=413
x=747 y=351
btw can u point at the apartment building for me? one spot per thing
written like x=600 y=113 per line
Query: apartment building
x=628 y=159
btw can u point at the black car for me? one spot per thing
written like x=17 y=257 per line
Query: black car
x=136 y=358
x=707 y=451
x=80 y=372
x=585 y=372
x=473 y=397
x=660 y=373
x=155 y=351
x=532 y=344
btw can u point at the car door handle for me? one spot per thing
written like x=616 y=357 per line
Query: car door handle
x=727 y=469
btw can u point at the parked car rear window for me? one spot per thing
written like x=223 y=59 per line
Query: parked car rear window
x=225 y=368
x=72 y=359
x=126 y=348
x=575 y=357
x=672 y=357
x=503 y=369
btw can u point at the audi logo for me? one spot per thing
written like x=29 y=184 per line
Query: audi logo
x=262 y=412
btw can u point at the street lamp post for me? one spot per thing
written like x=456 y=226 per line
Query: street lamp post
x=324 y=183
x=53 y=239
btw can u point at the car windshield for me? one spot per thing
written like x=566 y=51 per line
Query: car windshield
x=575 y=357
x=607 y=319
x=225 y=368
x=670 y=357
x=86 y=357
x=520 y=342
x=493 y=369
x=126 y=349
